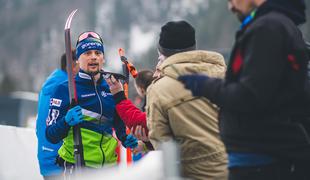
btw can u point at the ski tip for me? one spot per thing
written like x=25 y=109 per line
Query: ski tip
x=69 y=19
x=121 y=52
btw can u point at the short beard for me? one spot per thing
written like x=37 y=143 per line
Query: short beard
x=94 y=73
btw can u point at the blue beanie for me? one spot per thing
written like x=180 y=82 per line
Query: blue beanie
x=87 y=44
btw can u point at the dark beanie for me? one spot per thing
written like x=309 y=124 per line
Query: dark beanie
x=176 y=36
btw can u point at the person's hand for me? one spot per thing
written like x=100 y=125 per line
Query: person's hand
x=115 y=85
x=130 y=142
x=139 y=148
x=194 y=83
x=140 y=133
x=74 y=116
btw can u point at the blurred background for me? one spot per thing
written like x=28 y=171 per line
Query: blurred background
x=32 y=39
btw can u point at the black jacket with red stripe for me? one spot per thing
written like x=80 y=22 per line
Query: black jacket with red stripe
x=263 y=101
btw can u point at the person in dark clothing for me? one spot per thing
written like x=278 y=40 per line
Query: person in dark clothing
x=308 y=47
x=264 y=107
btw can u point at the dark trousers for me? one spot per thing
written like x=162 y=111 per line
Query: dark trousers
x=69 y=171
x=275 y=171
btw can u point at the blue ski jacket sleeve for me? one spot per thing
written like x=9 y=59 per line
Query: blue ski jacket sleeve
x=47 y=151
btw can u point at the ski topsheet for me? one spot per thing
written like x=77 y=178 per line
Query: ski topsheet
x=78 y=146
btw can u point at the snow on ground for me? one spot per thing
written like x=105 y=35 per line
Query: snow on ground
x=18 y=160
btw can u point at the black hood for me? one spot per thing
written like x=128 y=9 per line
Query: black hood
x=294 y=9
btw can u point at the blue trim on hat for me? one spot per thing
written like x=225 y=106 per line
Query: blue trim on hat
x=88 y=44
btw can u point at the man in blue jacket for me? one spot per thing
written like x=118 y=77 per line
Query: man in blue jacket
x=47 y=151
x=95 y=111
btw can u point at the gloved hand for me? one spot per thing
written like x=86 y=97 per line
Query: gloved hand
x=194 y=83
x=74 y=116
x=130 y=142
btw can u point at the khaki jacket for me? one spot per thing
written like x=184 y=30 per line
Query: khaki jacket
x=173 y=113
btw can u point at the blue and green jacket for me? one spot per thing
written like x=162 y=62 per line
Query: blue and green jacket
x=98 y=109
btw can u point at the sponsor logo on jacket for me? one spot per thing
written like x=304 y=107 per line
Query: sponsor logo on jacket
x=52 y=116
x=105 y=94
x=55 y=102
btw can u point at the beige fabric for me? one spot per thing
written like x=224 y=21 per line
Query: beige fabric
x=173 y=113
x=211 y=168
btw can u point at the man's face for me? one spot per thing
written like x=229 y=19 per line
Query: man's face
x=241 y=8
x=91 y=61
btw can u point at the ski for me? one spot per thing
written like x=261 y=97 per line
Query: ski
x=78 y=146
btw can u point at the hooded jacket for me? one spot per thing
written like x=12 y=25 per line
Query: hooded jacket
x=173 y=113
x=263 y=100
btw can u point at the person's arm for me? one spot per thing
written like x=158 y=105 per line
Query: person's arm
x=119 y=126
x=57 y=131
x=264 y=66
x=264 y=62
x=157 y=122
x=128 y=112
x=128 y=141
x=57 y=128
x=42 y=110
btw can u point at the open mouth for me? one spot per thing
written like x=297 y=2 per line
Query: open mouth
x=93 y=65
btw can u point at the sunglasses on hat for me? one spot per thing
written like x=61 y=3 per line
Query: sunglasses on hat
x=88 y=34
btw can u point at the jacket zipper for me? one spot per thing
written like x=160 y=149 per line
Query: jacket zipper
x=100 y=103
